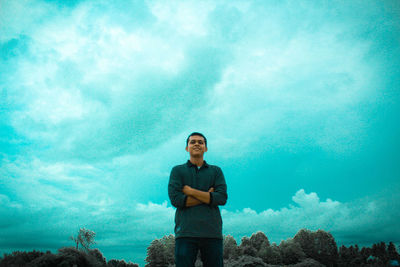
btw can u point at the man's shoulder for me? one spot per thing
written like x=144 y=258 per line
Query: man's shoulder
x=214 y=167
x=180 y=166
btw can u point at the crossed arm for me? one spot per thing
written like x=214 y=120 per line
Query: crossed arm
x=196 y=197
x=182 y=195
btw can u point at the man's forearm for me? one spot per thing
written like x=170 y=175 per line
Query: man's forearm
x=191 y=201
x=203 y=197
x=199 y=195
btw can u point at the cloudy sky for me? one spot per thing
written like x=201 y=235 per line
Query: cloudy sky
x=299 y=102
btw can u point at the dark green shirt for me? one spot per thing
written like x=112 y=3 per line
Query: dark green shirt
x=203 y=220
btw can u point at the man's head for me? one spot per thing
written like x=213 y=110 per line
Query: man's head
x=196 y=144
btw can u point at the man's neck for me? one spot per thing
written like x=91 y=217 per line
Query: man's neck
x=197 y=161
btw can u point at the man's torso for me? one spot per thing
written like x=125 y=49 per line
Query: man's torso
x=202 y=220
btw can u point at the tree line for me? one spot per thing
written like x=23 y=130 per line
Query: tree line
x=306 y=248
x=81 y=255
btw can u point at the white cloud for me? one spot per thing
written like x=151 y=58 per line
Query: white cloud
x=40 y=184
x=343 y=220
x=139 y=223
x=304 y=200
x=188 y=19
x=306 y=80
x=84 y=75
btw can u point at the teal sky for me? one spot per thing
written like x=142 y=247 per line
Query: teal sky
x=299 y=102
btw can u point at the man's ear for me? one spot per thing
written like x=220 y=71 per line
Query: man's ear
x=187 y=149
x=205 y=150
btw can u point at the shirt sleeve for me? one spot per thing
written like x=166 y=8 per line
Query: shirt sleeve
x=220 y=195
x=177 y=197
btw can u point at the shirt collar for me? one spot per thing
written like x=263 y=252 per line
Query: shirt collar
x=190 y=164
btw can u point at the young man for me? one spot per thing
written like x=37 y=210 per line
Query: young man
x=196 y=189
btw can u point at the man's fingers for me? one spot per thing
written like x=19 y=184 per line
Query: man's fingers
x=211 y=189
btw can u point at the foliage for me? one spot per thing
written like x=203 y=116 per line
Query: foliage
x=306 y=248
x=20 y=258
x=95 y=253
x=231 y=249
x=85 y=238
x=291 y=252
x=259 y=240
x=246 y=247
x=120 y=263
x=270 y=254
x=68 y=256
x=308 y=263
x=169 y=245
x=161 y=252
x=245 y=261
x=319 y=245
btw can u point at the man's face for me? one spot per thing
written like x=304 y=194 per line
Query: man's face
x=196 y=146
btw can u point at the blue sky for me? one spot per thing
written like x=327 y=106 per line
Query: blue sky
x=299 y=102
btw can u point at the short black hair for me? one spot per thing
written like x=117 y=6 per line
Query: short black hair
x=196 y=133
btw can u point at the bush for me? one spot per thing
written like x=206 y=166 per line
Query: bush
x=291 y=252
x=270 y=254
x=231 y=250
x=20 y=258
x=319 y=245
x=245 y=261
x=308 y=263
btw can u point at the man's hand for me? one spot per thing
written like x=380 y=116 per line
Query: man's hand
x=187 y=190
x=203 y=196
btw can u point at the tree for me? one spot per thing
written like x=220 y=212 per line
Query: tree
x=246 y=247
x=270 y=254
x=98 y=255
x=85 y=238
x=156 y=254
x=291 y=252
x=245 y=261
x=231 y=250
x=20 y=258
x=319 y=245
x=306 y=240
x=392 y=252
x=351 y=256
x=344 y=256
x=325 y=248
x=258 y=240
x=169 y=248
x=379 y=251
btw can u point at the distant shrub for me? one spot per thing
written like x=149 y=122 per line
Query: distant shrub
x=308 y=263
x=245 y=261
x=291 y=252
x=231 y=249
x=68 y=256
x=319 y=245
x=96 y=254
x=246 y=247
x=270 y=254
x=160 y=253
x=20 y=258
x=120 y=263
